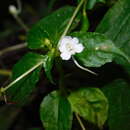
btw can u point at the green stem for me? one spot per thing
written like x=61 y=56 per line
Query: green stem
x=20 y=77
x=21 y=23
x=61 y=79
x=18 y=19
x=19 y=6
x=50 y=5
x=85 y=22
x=72 y=18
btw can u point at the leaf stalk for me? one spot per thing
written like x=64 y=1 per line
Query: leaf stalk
x=3 y=89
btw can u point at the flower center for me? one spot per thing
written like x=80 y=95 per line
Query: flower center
x=70 y=48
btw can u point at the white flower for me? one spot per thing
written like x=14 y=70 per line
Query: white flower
x=13 y=10
x=69 y=46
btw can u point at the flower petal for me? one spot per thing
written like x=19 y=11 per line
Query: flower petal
x=63 y=42
x=69 y=46
x=65 y=56
x=75 y=40
x=79 y=48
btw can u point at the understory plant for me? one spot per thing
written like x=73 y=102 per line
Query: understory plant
x=63 y=37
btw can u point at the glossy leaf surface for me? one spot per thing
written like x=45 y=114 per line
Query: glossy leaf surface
x=55 y=112
x=98 y=50
x=91 y=104
x=48 y=30
x=116 y=26
x=20 y=91
x=48 y=64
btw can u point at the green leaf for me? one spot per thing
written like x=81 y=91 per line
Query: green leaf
x=118 y=32
x=116 y=26
x=55 y=112
x=20 y=91
x=48 y=30
x=98 y=50
x=91 y=104
x=118 y=94
x=91 y=3
x=48 y=64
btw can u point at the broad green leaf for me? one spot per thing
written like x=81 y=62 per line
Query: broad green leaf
x=91 y=3
x=98 y=50
x=118 y=94
x=20 y=91
x=8 y=115
x=118 y=32
x=55 y=112
x=116 y=26
x=48 y=64
x=48 y=30
x=91 y=104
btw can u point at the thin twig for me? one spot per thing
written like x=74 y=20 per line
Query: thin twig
x=3 y=89
x=71 y=19
x=83 y=68
x=5 y=98
x=80 y=122
x=50 y=5
x=15 y=12
x=13 y=48
x=19 y=6
x=18 y=19
x=21 y=23
x=5 y=72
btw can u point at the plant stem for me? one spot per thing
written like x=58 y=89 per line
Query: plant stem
x=13 y=48
x=72 y=18
x=20 y=77
x=61 y=79
x=85 y=22
x=21 y=23
x=83 y=68
x=18 y=19
x=50 y=5
x=80 y=122
x=19 y=6
x=5 y=72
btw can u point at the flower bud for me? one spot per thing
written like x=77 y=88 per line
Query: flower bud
x=13 y=10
